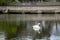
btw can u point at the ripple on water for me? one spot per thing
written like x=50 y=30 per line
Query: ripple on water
x=2 y=36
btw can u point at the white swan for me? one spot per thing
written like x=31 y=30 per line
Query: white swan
x=36 y=27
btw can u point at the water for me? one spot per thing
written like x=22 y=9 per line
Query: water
x=14 y=28
x=2 y=36
x=55 y=35
x=26 y=32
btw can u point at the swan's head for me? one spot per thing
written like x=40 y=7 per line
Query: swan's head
x=38 y=24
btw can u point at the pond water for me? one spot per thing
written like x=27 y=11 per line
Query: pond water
x=22 y=30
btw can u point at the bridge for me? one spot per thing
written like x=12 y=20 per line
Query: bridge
x=30 y=8
x=32 y=12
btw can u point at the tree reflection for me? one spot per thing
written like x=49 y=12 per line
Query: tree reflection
x=46 y=32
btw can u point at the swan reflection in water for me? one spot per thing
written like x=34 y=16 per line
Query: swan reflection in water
x=42 y=30
x=37 y=28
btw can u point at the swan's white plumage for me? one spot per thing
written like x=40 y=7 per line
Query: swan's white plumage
x=36 y=27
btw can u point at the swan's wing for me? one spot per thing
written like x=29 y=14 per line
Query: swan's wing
x=36 y=27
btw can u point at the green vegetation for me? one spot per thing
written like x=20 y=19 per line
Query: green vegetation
x=6 y=2
x=10 y=28
x=14 y=1
x=58 y=0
